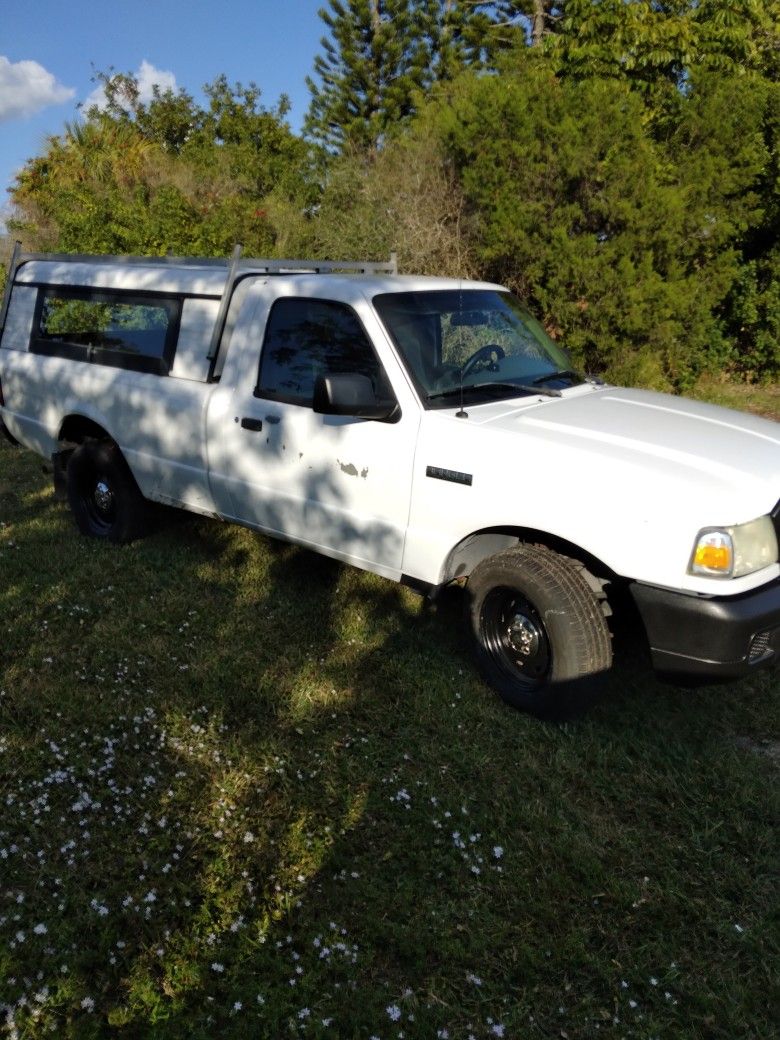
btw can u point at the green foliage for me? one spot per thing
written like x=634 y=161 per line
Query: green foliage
x=624 y=245
x=5 y=254
x=651 y=43
x=455 y=34
x=380 y=56
x=79 y=319
x=372 y=64
x=622 y=181
x=753 y=307
x=167 y=175
x=405 y=198
x=755 y=312
x=60 y=317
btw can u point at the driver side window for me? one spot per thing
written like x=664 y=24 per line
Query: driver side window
x=308 y=338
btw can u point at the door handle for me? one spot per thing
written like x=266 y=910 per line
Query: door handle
x=248 y=423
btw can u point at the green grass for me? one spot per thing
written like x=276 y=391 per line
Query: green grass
x=248 y=792
x=763 y=400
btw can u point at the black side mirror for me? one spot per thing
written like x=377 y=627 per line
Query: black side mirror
x=351 y=394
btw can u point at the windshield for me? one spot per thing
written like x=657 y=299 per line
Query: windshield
x=480 y=337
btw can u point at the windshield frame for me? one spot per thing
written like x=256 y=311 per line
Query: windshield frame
x=486 y=390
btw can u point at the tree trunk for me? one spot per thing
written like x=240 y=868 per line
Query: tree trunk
x=537 y=23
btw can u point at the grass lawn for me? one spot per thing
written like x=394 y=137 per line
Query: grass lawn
x=248 y=792
x=763 y=400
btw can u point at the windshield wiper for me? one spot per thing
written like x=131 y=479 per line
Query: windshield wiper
x=518 y=388
x=568 y=373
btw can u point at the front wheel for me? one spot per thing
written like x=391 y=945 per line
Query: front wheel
x=540 y=634
x=103 y=494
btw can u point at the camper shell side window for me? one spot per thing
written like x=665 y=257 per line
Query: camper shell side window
x=131 y=330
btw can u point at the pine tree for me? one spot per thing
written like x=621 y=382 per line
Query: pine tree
x=380 y=56
x=454 y=35
x=365 y=78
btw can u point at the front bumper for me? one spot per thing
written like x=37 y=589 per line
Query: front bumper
x=711 y=638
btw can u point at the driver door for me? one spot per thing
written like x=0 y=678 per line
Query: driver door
x=339 y=484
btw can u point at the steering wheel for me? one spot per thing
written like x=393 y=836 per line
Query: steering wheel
x=486 y=358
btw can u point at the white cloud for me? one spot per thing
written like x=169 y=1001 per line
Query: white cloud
x=147 y=77
x=26 y=87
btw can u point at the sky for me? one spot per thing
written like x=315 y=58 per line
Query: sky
x=49 y=51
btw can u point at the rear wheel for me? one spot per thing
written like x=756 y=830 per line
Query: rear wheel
x=103 y=494
x=540 y=633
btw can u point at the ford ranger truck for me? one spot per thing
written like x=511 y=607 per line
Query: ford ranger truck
x=425 y=429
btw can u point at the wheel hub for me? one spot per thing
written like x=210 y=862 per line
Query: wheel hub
x=523 y=635
x=104 y=496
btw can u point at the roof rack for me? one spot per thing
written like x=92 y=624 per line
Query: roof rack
x=235 y=266
x=261 y=265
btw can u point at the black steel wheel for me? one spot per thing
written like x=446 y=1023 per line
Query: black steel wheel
x=540 y=634
x=103 y=494
x=513 y=632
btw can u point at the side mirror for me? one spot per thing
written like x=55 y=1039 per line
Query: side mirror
x=351 y=394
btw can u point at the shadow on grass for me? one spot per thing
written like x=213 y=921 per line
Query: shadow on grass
x=272 y=756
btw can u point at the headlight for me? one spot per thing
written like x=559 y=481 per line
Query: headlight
x=730 y=552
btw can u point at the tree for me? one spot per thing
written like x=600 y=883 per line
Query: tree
x=455 y=35
x=625 y=245
x=165 y=175
x=752 y=310
x=525 y=21
x=405 y=198
x=366 y=77
x=657 y=44
x=381 y=56
x=168 y=120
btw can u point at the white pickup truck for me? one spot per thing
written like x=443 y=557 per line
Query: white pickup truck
x=425 y=429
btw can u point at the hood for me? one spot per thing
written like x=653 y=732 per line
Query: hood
x=692 y=441
x=629 y=476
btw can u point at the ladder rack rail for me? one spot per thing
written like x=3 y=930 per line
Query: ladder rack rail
x=235 y=262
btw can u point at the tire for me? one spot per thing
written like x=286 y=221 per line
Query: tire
x=541 y=638
x=103 y=494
